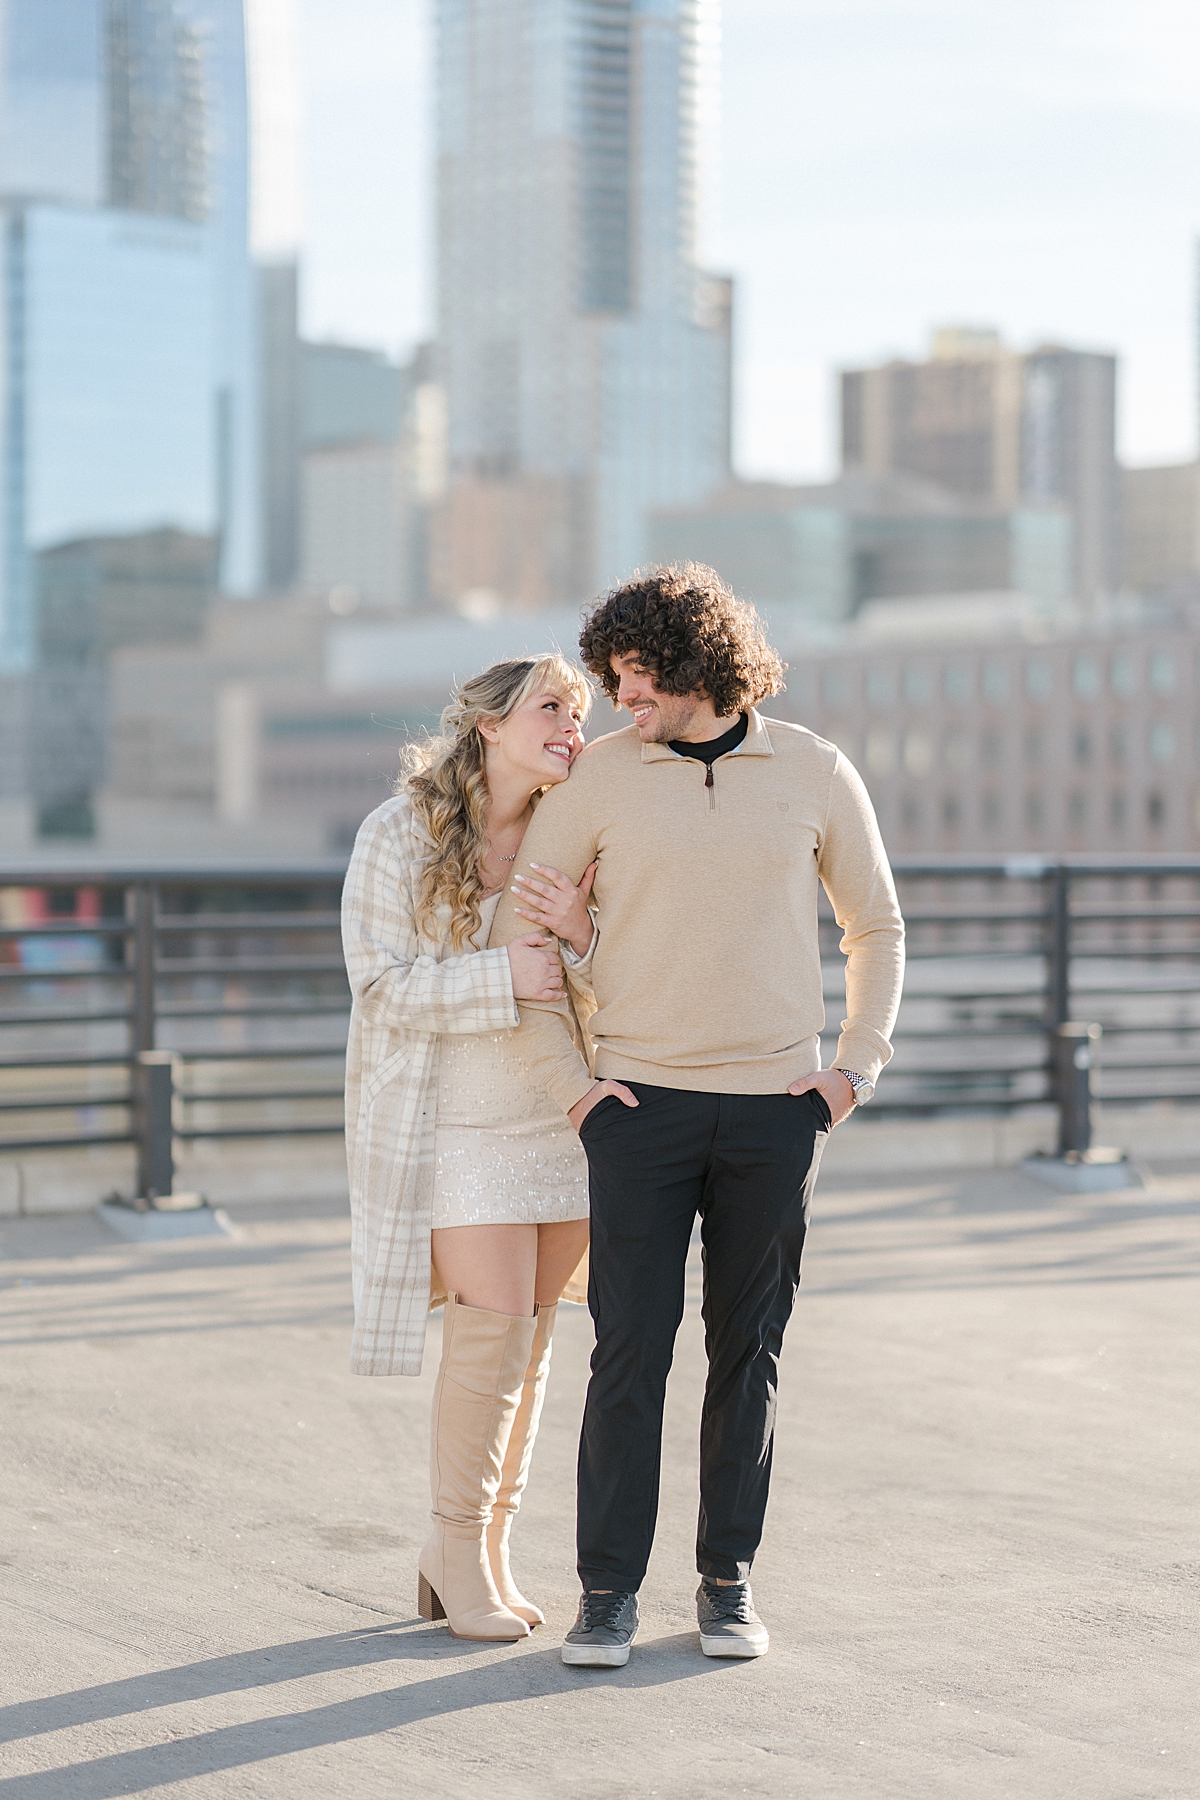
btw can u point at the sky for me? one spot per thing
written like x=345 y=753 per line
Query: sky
x=882 y=167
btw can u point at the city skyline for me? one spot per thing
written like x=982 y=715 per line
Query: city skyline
x=1036 y=178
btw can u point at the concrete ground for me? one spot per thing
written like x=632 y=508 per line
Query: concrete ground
x=980 y=1569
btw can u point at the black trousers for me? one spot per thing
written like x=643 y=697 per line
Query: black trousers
x=747 y=1164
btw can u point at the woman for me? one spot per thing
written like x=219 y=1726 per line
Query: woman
x=465 y=1180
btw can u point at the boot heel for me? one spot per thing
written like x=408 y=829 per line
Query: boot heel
x=428 y=1604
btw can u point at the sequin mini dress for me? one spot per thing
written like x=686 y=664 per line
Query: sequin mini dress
x=503 y=1152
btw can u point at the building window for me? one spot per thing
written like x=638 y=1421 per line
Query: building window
x=1118 y=745
x=1162 y=672
x=918 y=752
x=881 y=686
x=1077 y=811
x=1034 y=747
x=1037 y=679
x=1034 y=811
x=1122 y=674
x=1082 y=744
x=910 y=813
x=956 y=751
x=1085 y=677
x=993 y=812
x=1118 y=810
x=951 y=812
x=1156 y=811
x=990 y=749
x=956 y=683
x=881 y=751
x=918 y=685
x=995 y=682
x=1162 y=742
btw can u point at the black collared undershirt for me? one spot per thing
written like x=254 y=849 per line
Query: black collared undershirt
x=708 y=752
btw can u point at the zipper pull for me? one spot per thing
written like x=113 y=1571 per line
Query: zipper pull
x=708 y=775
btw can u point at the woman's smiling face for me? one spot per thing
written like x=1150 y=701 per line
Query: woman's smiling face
x=540 y=738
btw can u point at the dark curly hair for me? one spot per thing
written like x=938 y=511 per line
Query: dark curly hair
x=690 y=632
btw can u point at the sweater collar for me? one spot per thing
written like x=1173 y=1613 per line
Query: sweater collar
x=755 y=743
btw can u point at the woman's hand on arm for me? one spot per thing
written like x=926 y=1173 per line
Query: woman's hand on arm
x=536 y=969
x=552 y=900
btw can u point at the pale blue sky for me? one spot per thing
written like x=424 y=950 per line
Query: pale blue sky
x=885 y=166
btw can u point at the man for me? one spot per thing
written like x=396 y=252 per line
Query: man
x=711 y=827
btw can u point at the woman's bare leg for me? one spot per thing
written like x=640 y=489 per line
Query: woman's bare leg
x=492 y=1267
x=559 y=1248
x=506 y=1268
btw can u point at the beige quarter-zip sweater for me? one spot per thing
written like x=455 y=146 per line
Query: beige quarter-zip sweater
x=707 y=973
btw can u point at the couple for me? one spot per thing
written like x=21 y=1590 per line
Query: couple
x=633 y=1019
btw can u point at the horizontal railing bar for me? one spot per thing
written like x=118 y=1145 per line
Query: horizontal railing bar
x=252 y=1131
x=265 y=1054
x=69 y=928
x=89 y=972
x=296 y=1010
x=1019 y=867
x=8 y=1020
x=173 y=922
x=66 y=1143
x=171 y=968
x=67 y=1060
x=70 y=1104
x=242 y=1099
x=330 y=872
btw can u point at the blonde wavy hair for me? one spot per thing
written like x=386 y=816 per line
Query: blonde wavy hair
x=447 y=787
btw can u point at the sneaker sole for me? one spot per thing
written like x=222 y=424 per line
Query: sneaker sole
x=596 y=1656
x=723 y=1646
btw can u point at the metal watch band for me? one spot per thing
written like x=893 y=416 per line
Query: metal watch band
x=856 y=1081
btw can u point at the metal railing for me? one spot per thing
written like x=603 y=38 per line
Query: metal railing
x=163 y=1006
x=156 y=1007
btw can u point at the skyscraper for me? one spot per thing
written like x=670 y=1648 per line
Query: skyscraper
x=128 y=357
x=585 y=352
x=990 y=423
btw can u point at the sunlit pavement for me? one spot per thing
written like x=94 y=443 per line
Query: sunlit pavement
x=980 y=1572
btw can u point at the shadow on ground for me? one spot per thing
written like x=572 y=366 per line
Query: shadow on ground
x=524 y=1675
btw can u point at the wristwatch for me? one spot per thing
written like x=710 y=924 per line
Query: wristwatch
x=864 y=1090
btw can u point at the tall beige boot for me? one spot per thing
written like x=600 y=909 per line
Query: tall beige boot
x=484 y=1357
x=515 y=1472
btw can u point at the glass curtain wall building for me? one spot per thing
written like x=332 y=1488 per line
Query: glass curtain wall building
x=127 y=350
x=581 y=344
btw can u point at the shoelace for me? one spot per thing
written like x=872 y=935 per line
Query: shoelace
x=601 y=1610
x=730 y=1602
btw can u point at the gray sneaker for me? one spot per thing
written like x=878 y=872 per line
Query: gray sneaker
x=729 y=1625
x=603 y=1631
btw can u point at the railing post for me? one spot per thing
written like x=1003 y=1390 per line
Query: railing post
x=1058 y=948
x=145 y=907
x=1075 y=1048
x=155 y=1089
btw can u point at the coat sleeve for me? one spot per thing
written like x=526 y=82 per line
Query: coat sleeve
x=560 y=834
x=854 y=871
x=391 y=982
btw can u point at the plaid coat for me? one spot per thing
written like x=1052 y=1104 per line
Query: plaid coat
x=406 y=990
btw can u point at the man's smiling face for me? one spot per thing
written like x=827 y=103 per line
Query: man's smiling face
x=659 y=717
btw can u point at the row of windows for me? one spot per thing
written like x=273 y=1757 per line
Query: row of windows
x=1091 y=676
x=917 y=752
x=1117 y=811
